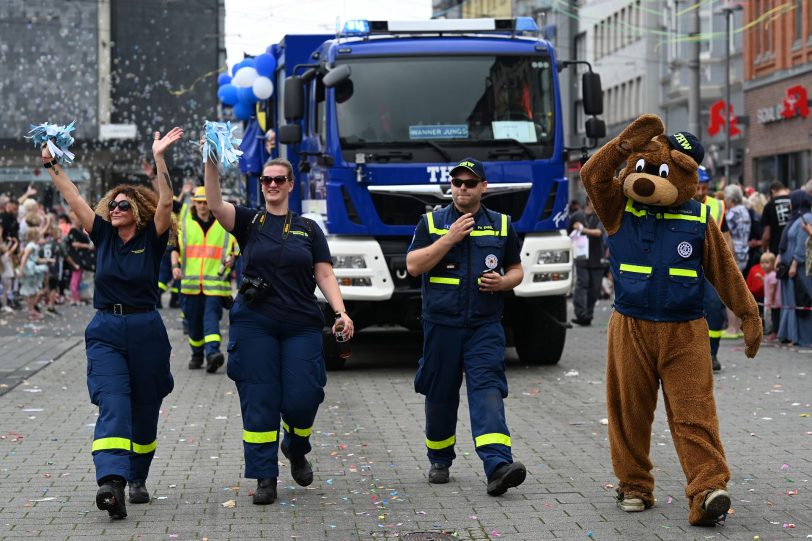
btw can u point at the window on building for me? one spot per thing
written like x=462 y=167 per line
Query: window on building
x=792 y=169
x=799 y=19
x=767 y=27
x=624 y=28
x=705 y=31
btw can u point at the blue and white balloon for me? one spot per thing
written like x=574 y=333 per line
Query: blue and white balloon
x=244 y=77
x=262 y=87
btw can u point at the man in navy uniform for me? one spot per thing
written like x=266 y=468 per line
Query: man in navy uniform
x=468 y=256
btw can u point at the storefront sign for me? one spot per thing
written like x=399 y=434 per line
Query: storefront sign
x=796 y=103
x=718 y=122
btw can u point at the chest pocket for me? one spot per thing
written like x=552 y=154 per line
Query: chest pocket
x=684 y=284
x=485 y=303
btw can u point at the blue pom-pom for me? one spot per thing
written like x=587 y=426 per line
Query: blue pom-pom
x=220 y=143
x=57 y=138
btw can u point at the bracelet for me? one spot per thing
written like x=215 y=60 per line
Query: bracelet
x=48 y=165
x=339 y=312
x=176 y=266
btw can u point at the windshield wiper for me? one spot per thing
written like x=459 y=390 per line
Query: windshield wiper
x=511 y=152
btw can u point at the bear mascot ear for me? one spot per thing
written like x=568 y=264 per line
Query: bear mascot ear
x=684 y=162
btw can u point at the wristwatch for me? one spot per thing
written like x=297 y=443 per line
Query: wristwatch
x=48 y=165
x=339 y=312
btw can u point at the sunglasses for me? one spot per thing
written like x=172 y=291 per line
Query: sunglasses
x=458 y=182
x=280 y=180
x=122 y=205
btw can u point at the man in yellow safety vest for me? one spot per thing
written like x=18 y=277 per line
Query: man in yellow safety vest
x=202 y=263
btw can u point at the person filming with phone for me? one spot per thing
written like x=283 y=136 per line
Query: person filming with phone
x=468 y=257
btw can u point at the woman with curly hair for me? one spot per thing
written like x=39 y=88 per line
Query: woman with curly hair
x=127 y=345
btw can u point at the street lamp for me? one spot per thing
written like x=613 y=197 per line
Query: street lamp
x=727 y=10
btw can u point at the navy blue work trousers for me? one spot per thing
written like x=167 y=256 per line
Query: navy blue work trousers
x=203 y=314
x=479 y=353
x=127 y=376
x=278 y=367
x=715 y=316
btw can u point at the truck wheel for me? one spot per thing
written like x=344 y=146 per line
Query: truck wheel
x=331 y=359
x=538 y=338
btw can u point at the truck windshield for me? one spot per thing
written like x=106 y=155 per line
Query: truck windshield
x=448 y=99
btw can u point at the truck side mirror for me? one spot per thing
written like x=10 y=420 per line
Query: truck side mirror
x=336 y=76
x=595 y=128
x=290 y=134
x=294 y=98
x=592 y=93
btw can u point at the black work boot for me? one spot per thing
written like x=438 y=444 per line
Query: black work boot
x=110 y=497
x=138 y=492
x=196 y=362
x=300 y=468
x=439 y=474
x=715 y=363
x=506 y=476
x=265 y=494
x=214 y=361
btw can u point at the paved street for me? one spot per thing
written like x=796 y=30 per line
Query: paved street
x=369 y=455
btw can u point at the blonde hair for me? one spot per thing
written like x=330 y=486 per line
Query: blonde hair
x=284 y=163
x=143 y=202
x=767 y=257
x=33 y=234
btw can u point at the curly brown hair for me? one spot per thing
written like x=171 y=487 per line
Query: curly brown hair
x=143 y=202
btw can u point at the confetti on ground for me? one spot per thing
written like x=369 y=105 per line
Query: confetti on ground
x=230 y=504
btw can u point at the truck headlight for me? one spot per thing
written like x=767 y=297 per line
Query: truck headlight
x=546 y=257
x=349 y=262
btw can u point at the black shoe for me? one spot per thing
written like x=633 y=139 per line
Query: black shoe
x=582 y=322
x=138 y=492
x=214 y=361
x=174 y=301
x=110 y=497
x=196 y=362
x=265 y=494
x=300 y=468
x=439 y=474
x=715 y=363
x=715 y=507
x=506 y=476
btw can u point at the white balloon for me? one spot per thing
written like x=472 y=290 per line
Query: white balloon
x=244 y=77
x=263 y=88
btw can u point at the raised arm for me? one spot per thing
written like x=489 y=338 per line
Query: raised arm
x=163 y=212
x=222 y=210
x=69 y=191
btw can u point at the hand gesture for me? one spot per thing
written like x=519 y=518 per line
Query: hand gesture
x=752 y=336
x=461 y=228
x=490 y=281
x=176 y=273
x=188 y=186
x=160 y=144
x=30 y=191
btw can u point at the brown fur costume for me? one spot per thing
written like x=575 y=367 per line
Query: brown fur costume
x=643 y=354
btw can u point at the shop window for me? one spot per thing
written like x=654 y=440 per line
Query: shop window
x=792 y=169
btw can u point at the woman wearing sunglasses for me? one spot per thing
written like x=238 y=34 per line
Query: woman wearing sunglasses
x=275 y=340
x=126 y=341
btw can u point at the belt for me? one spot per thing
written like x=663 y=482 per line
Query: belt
x=123 y=309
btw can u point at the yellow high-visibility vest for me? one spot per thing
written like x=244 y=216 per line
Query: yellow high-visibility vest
x=717 y=209
x=201 y=256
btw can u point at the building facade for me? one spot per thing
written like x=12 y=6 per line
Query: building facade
x=777 y=87
x=119 y=69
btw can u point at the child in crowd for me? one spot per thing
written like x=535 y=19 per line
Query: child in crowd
x=53 y=251
x=8 y=251
x=772 y=295
x=755 y=283
x=32 y=272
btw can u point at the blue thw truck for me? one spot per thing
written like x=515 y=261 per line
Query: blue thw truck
x=376 y=116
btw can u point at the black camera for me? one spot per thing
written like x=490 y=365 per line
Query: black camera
x=252 y=289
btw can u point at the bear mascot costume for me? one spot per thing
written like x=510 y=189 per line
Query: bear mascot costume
x=663 y=245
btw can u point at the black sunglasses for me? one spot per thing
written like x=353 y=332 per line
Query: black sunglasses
x=122 y=205
x=470 y=183
x=279 y=180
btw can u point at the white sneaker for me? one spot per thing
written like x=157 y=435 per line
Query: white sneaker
x=7 y=309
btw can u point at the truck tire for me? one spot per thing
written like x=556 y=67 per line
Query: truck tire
x=538 y=337
x=331 y=359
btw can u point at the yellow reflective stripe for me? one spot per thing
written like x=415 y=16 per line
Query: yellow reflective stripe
x=484 y=233
x=259 y=437
x=432 y=229
x=196 y=343
x=683 y=272
x=441 y=280
x=442 y=444
x=105 y=444
x=144 y=449
x=303 y=432
x=688 y=217
x=211 y=338
x=162 y=286
x=630 y=208
x=492 y=439
x=504 y=231
x=714 y=334
x=635 y=268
